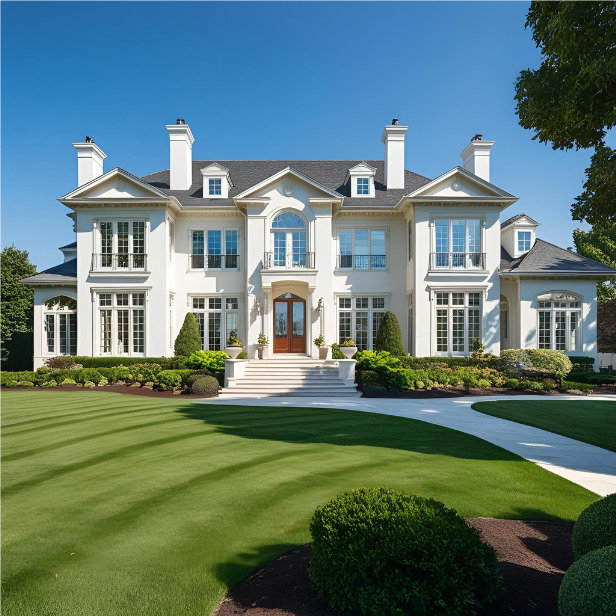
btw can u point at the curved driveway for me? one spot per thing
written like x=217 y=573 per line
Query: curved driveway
x=591 y=467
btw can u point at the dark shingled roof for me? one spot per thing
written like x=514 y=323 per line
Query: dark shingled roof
x=331 y=174
x=65 y=273
x=545 y=258
x=71 y=245
x=511 y=220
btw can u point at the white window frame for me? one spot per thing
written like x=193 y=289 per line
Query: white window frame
x=450 y=307
x=224 y=311
x=369 y=256
x=97 y=258
x=363 y=186
x=223 y=261
x=561 y=302
x=115 y=308
x=291 y=260
x=56 y=312
x=525 y=241
x=354 y=309
x=211 y=184
x=467 y=260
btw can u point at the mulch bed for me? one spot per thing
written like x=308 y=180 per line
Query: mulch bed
x=533 y=558
x=118 y=389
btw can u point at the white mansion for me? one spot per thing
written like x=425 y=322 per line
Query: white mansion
x=295 y=249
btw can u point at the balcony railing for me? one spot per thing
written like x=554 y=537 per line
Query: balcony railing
x=362 y=262
x=120 y=262
x=457 y=260
x=290 y=260
x=229 y=262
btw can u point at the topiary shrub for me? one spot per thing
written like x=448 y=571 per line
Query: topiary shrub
x=389 y=336
x=336 y=352
x=555 y=363
x=589 y=585
x=205 y=386
x=384 y=552
x=596 y=527
x=188 y=340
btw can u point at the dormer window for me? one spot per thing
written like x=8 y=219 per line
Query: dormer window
x=215 y=187
x=363 y=186
x=524 y=240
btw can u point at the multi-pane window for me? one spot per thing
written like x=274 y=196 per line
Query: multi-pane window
x=457 y=244
x=217 y=318
x=362 y=249
x=60 y=326
x=363 y=186
x=523 y=241
x=559 y=318
x=219 y=246
x=359 y=318
x=122 y=245
x=458 y=321
x=289 y=241
x=215 y=186
x=121 y=317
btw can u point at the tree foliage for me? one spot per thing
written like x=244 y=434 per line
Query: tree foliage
x=188 y=340
x=570 y=100
x=599 y=244
x=17 y=300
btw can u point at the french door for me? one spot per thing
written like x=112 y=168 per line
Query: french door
x=289 y=324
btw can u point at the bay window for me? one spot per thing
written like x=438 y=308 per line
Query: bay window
x=359 y=318
x=60 y=326
x=458 y=321
x=457 y=244
x=121 y=318
x=559 y=317
x=217 y=318
x=362 y=249
x=220 y=246
x=122 y=245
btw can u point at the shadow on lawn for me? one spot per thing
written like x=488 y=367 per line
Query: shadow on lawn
x=344 y=428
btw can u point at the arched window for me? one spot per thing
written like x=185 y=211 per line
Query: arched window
x=559 y=318
x=60 y=326
x=289 y=241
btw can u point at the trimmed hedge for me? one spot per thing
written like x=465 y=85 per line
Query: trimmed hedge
x=384 y=552
x=167 y=363
x=596 y=527
x=582 y=363
x=593 y=378
x=188 y=340
x=589 y=585
x=205 y=386
x=389 y=336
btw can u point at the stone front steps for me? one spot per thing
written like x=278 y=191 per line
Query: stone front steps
x=289 y=376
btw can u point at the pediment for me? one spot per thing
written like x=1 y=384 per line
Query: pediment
x=459 y=183
x=116 y=184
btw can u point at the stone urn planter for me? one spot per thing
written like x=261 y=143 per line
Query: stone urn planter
x=233 y=351
x=348 y=351
x=262 y=351
x=324 y=351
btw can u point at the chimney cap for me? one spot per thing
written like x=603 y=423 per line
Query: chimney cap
x=180 y=121
x=394 y=122
x=477 y=137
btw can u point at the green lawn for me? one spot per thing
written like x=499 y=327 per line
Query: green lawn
x=127 y=505
x=591 y=421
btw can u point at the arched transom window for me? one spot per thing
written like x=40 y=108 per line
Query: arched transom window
x=559 y=317
x=289 y=242
x=60 y=326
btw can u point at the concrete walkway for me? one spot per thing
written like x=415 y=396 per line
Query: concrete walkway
x=591 y=467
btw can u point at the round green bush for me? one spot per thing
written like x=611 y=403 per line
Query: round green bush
x=512 y=383
x=205 y=386
x=384 y=552
x=189 y=379
x=589 y=586
x=596 y=527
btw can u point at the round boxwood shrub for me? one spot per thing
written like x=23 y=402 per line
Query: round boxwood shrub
x=596 y=527
x=389 y=336
x=205 y=386
x=385 y=552
x=589 y=586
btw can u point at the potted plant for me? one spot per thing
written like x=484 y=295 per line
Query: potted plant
x=348 y=348
x=234 y=345
x=262 y=343
x=323 y=348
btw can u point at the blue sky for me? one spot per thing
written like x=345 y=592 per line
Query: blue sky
x=264 y=81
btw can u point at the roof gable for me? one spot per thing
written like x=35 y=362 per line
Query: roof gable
x=521 y=219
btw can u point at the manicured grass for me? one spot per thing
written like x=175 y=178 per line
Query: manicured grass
x=591 y=421
x=127 y=505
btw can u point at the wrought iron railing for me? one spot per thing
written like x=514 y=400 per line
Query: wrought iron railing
x=457 y=260
x=230 y=262
x=288 y=260
x=362 y=262
x=123 y=262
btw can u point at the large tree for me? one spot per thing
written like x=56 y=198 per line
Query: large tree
x=570 y=100
x=599 y=244
x=16 y=300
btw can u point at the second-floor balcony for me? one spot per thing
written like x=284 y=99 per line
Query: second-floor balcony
x=457 y=261
x=214 y=262
x=119 y=262
x=362 y=262
x=288 y=260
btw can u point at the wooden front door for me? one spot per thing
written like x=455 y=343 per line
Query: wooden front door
x=289 y=324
